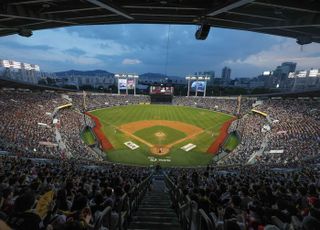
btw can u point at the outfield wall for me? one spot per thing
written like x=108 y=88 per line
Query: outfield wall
x=215 y=146
x=105 y=143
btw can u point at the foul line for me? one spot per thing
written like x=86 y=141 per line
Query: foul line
x=168 y=145
x=135 y=137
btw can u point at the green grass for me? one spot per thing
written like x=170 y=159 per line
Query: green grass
x=231 y=143
x=210 y=121
x=148 y=134
x=88 y=137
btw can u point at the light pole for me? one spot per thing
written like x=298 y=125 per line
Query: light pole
x=118 y=78
x=188 y=78
x=206 y=78
x=135 y=77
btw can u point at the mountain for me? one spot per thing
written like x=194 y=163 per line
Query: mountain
x=83 y=73
x=144 y=76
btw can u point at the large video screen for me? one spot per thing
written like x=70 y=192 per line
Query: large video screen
x=164 y=90
x=122 y=83
x=130 y=84
x=198 y=86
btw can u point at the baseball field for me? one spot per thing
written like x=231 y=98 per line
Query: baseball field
x=160 y=134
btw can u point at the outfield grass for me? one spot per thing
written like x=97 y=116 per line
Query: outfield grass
x=231 y=143
x=171 y=135
x=88 y=137
x=210 y=121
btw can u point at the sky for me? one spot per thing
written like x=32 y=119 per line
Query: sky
x=170 y=49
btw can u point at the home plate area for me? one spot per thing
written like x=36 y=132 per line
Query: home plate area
x=161 y=135
x=159 y=150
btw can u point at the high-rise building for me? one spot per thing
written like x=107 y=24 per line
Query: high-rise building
x=279 y=77
x=226 y=75
x=288 y=67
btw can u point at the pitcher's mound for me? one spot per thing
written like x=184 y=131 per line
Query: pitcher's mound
x=159 y=150
x=160 y=135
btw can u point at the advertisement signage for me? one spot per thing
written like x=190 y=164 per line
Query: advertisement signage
x=291 y=75
x=313 y=73
x=122 y=83
x=302 y=73
x=198 y=86
x=161 y=90
x=130 y=84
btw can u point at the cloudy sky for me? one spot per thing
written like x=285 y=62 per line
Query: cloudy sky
x=143 y=48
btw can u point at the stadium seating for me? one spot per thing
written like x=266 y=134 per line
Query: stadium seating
x=50 y=179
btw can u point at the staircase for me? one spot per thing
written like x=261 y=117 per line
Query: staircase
x=155 y=210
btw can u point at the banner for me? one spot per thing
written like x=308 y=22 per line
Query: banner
x=130 y=84
x=43 y=204
x=122 y=83
x=259 y=112
x=65 y=106
x=198 y=86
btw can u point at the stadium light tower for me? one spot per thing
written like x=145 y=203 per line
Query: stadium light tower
x=135 y=78
x=188 y=78
x=118 y=77
x=206 y=79
x=197 y=78
x=127 y=80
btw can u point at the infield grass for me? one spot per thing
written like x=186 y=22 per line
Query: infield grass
x=167 y=135
x=113 y=117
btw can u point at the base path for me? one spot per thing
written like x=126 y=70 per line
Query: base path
x=190 y=130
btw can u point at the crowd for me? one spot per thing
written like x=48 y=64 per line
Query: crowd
x=96 y=101
x=221 y=104
x=76 y=194
x=295 y=129
x=252 y=197
x=52 y=195
x=26 y=122
x=249 y=130
x=27 y=125
x=291 y=132
x=72 y=123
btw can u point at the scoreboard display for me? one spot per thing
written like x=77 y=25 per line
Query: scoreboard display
x=161 y=90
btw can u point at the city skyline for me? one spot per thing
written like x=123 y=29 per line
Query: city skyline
x=142 y=48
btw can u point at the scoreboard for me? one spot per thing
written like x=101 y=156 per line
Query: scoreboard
x=161 y=93
x=161 y=90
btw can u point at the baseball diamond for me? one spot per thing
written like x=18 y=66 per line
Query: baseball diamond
x=160 y=131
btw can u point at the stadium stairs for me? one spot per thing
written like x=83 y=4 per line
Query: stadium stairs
x=155 y=211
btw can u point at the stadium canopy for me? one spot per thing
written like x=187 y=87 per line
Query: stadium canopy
x=295 y=18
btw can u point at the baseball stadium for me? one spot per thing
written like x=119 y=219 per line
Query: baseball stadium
x=163 y=141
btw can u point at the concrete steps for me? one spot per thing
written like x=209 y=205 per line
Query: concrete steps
x=155 y=210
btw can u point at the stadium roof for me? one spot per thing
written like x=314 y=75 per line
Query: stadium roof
x=294 y=18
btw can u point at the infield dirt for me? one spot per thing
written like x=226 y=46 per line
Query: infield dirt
x=190 y=130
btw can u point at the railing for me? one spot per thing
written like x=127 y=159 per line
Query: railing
x=190 y=217
x=128 y=204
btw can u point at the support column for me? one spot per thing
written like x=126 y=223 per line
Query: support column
x=126 y=86
x=188 y=93
x=205 y=88
x=134 y=86
x=196 y=89
x=118 y=86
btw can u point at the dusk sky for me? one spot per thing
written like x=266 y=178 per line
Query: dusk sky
x=142 y=48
